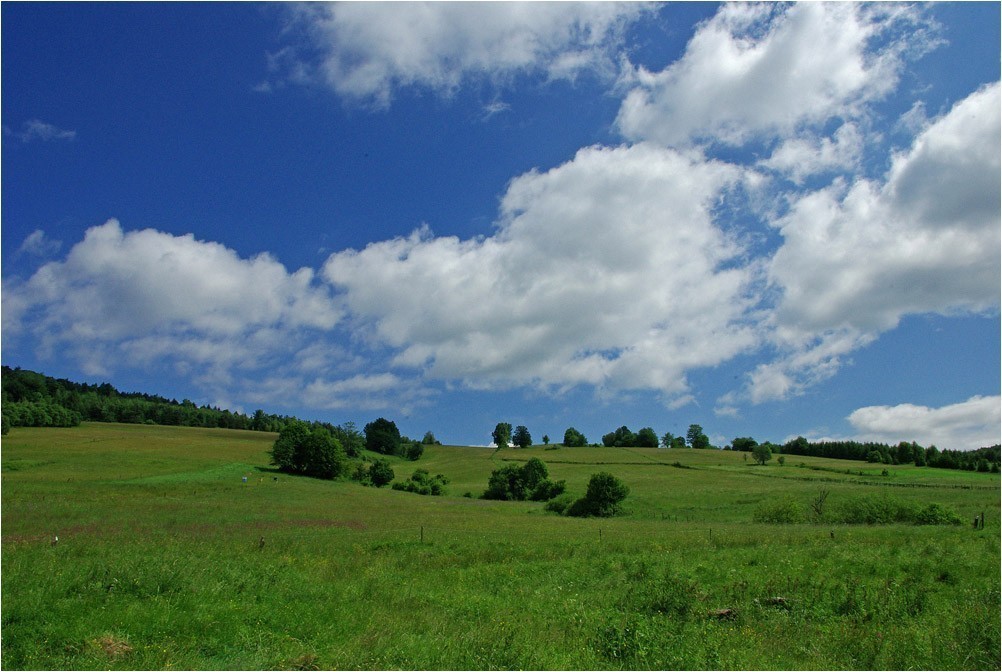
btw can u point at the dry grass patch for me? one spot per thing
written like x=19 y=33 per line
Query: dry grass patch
x=112 y=646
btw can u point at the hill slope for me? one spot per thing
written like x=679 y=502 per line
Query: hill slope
x=167 y=557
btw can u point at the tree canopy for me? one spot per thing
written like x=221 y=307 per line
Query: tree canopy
x=502 y=434
x=574 y=439
x=696 y=438
x=300 y=449
x=521 y=437
x=382 y=436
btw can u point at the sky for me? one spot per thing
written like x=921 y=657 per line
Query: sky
x=769 y=220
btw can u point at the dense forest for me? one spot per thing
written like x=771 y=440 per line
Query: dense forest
x=982 y=459
x=32 y=399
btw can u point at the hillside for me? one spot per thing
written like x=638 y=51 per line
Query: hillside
x=168 y=557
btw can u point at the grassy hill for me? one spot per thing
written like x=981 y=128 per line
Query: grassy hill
x=168 y=558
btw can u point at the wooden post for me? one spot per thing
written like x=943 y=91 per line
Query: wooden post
x=422 y=534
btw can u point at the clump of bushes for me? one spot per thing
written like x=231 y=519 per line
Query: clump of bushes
x=859 y=510
x=311 y=451
x=423 y=483
x=786 y=510
x=377 y=473
x=529 y=481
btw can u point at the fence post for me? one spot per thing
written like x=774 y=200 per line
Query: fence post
x=422 y=534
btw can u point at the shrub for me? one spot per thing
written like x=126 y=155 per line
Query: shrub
x=422 y=483
x=380 y=473
x=603 y=497
x=546 y=490
x=785 y=510
x=559 y=504
x=872 y=510
x=580 y=508
x=506 y=484
x=415 y=451
x=937 y=514
x=518 y=483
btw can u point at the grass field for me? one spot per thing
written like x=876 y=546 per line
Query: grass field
x=160 y=563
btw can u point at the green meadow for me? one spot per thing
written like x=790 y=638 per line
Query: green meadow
x=182 y=548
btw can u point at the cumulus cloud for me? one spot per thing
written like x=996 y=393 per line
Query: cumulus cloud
x=968 y=425
x=147 y=294
x=858 y=256
x=365 y=51
x=608 y=270
x=800 y=157
x=927 y=240
x=763 y=70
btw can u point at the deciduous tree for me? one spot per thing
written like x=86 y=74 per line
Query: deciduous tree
x=382 y=436
x=521 y=437
x=574 y=439
x=696 y=437
x=502 y=434
x=762 y=453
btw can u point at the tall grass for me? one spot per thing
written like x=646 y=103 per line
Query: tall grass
x=160 y=564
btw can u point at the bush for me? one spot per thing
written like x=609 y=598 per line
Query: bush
x=786 y=510
x=422 y=483
x=937 y=514
x=547 y=490
x=559 y=504
x=518 y=483
x=603 y=497
x=380 y=473
x=861 y=510
x=872 y=510
x=415 y=451
x=506 y=484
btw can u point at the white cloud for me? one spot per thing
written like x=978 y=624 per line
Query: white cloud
x=365 y=51
x=808 y=154
x=36 y=129
x=147 y=294
x=38 y=244
x=606 y=271
x=758 y=70
x=856 y=258
x=927 y=240
x=967 y=425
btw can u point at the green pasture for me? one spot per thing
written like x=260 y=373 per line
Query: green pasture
x=168 y=558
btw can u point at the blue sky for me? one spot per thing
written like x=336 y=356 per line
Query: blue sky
x=770 y=220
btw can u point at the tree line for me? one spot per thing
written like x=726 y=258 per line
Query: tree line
x=622 y=437
x=985 y=459
x=31 y=399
